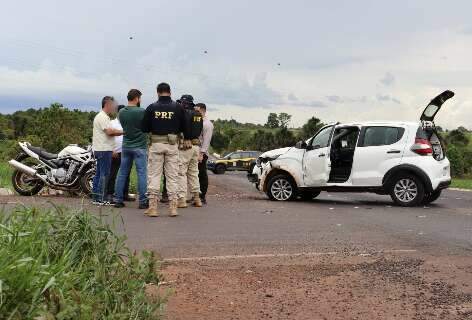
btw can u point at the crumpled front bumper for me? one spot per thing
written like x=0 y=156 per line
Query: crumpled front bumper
x=256 y=176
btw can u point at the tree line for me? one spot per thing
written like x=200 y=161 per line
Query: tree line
x=56 y=126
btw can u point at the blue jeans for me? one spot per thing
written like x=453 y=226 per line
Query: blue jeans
x=102 y=175
x=139 y=157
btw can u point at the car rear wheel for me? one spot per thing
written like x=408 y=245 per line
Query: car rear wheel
x=430 y=198
x=282 y=188
x=407 y=190
x=220 y=169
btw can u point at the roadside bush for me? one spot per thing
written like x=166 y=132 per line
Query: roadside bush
x=456 y=158
x=71 y=265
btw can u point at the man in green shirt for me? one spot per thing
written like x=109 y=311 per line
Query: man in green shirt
x=135 y=143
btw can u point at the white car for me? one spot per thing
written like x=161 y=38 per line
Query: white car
x=406 y=160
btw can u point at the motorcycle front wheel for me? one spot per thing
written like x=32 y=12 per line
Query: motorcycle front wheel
x=23 y=183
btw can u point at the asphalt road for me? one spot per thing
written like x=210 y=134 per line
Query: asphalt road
x=239 y=220
x=340 y=256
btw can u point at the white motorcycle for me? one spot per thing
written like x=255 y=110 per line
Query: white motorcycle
x=71 y=170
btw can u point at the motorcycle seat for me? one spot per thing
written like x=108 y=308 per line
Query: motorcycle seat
x=43 y=153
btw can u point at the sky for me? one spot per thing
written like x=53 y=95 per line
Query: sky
x=335 y=60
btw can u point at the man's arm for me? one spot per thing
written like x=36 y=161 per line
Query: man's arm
x=184 y=123
x=207 y=133
x=113 y=132
x=106 y=126
x=147 y=119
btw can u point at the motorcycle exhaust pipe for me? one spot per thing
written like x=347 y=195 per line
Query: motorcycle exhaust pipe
x=23 y=168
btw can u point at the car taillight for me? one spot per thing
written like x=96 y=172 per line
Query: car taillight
x=422 y=147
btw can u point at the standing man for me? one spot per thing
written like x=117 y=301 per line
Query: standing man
x=134 y=150
x=205 y=139
x=165 y=120
x=189 y=151
x=102 y=144
x=116 y=160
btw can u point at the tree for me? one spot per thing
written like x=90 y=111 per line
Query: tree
x=219 y=141
x=284 y=138
x=309 y=129
x=262 y=140
x=456 y=158
x=457 y=137
x=284 y=119
x=272 y=121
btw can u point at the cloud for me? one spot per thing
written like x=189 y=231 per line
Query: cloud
x=292 y=98
x=339 y=99
x=243 y=92
x=387 y=98
x=388 y=79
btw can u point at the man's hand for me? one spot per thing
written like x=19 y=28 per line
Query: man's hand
x=200 y=157
x=188 y=144
x=115 y=155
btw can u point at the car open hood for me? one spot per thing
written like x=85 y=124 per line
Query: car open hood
x=275 y=152
x=435 y=105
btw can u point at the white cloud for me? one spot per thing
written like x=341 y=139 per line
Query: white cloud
x=388 y=79
x=366 y=66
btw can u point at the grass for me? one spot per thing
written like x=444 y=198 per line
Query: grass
x=57 y=264
x=462 y=183
x=5 y=175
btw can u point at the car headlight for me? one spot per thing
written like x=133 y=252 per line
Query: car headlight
x=262 y=160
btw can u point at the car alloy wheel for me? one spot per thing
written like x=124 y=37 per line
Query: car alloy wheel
x=281 y=189
x=406 y=190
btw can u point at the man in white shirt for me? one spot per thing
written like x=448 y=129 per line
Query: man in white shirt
x=205 y=139
x=116 y=161
x=103 y=143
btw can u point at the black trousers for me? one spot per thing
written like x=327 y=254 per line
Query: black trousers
x=115 y=167
x=203 y=176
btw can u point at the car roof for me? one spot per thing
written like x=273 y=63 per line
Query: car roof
x=379 y=123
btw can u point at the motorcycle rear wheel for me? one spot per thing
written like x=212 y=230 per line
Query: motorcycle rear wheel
x=24 y=184
x=86 y=182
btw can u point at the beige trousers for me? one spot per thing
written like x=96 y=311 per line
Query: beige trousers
x=188 y=172
x=163 y=157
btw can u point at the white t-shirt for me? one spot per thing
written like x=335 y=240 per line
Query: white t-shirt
x=115 y=124
x=101 y=141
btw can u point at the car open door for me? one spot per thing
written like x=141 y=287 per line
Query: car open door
x=435 y=105
x=316 y=159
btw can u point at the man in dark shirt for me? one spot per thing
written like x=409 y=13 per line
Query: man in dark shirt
x=135 y=143
x=165 y=120
x=188 y=154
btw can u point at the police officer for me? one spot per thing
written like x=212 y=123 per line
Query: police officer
x=165 y=120
x=188 y=154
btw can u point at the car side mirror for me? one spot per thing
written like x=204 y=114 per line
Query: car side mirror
x=301 y=145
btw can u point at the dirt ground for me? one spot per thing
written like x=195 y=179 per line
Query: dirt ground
x=321 y=287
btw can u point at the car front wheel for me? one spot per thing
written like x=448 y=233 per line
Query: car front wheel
x=281 y=188
x=407 y=191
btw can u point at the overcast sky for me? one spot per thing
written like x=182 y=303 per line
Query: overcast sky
x=336 y=60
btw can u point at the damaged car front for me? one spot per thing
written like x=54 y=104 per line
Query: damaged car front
x=263 y=163
x=286 y=159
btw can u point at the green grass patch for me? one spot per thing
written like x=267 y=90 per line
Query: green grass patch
x=57 y=264
x=5 y=175
x=462 y=183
